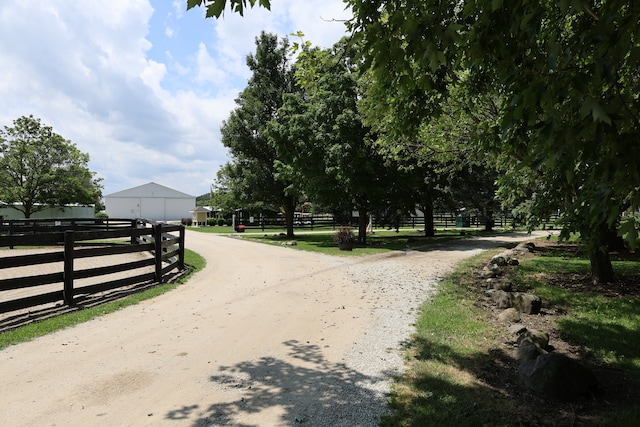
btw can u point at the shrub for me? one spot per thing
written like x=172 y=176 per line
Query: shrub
x=221 y=222
x=186 y=221
x=344 y=235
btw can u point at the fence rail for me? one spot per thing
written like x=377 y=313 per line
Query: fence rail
x=441 y=220
x=86 y=238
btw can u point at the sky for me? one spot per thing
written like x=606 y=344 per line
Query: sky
x=142 y=86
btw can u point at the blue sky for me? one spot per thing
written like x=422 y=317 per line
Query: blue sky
x=142 y=86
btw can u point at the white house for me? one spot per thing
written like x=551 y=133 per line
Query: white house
x=150 y=201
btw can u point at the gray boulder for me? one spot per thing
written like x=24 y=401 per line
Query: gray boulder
x=500 y=259
x=527 y=303
x=557 y=377
x=533 y=337
x=499 y=285
x=524 y=303
x=526 y=247
x=510 y=315
x=501 y=299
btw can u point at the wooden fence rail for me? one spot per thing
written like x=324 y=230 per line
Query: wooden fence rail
x=82 y=238
x=441 y=220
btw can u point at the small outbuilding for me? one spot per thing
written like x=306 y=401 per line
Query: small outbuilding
x=150 y=201
x=200 y=215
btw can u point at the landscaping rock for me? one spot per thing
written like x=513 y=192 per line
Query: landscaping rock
x=528 y=352
x=501 y=299
x=517 y=329
x=490 y=271
x=290 y=243
x=524 y=303
x=527 y=303
x=502 y=285
x=557 y=377
x=531 y=344
x=533 y=336
x=510 y=315
x=500 y=259
x=526 y=247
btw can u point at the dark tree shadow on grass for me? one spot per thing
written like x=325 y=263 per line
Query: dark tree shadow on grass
x=495 y=397
x=311 y=392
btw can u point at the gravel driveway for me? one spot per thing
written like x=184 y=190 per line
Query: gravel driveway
x=263 y=336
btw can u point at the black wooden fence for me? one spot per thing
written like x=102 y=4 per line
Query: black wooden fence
x=441 y=220
x=84 y=238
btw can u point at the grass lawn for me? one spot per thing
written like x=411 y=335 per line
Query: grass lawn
x=379 y=241
x=460 y=364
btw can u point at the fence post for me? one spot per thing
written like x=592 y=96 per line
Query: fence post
x=11 y=233
x=181 y=248
x=157 y=235
x=67 y=292
x=134 y=225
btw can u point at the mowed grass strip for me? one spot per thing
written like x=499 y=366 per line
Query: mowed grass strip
x=377 y=242
x=460 y=365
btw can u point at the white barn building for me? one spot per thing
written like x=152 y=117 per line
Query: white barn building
x=150 y=201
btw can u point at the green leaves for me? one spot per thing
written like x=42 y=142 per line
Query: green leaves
x=39 y=168
x=565 y=73
x=215 y=8
x=593 y=108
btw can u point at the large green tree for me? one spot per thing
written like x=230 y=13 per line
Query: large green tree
x=252 y=173
x=567 y=75
x=40 y=169
x=451 y=169
x=333 y=158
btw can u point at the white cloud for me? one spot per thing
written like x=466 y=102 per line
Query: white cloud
x=209 y=70
x=140 y=85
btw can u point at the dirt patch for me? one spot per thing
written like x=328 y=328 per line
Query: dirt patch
x=617 y=389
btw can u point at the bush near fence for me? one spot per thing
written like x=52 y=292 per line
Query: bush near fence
x=77 y=237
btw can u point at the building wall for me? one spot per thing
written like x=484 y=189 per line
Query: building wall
x=153 y=208
x=149 y=201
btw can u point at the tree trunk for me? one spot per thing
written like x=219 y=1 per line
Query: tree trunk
x=488 y=224
x=362 y=225
x=601 y=268
x=427 y=209
x=289 y=210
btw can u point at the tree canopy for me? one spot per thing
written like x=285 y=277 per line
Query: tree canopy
x=564 y=78
x=567 y=77
x=252 y=173
x=40 y=169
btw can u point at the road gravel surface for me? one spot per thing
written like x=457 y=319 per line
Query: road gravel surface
x=262 y=336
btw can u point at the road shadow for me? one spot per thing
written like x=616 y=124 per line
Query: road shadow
x=308 y=389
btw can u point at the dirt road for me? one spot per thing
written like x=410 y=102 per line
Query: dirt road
x=263 y=336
